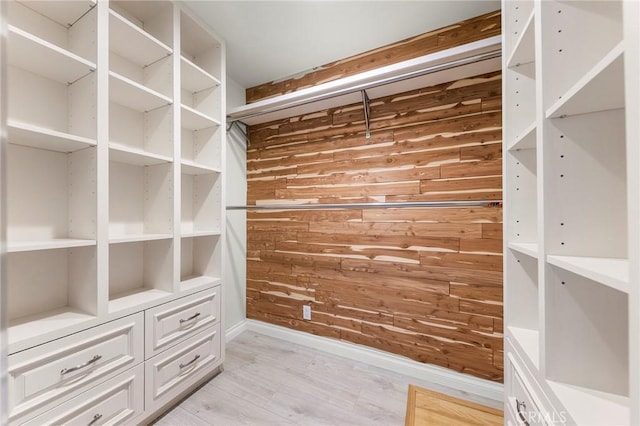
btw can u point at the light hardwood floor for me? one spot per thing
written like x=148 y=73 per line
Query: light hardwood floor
x=267 y=381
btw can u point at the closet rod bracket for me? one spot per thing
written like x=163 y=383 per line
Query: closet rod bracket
x=236 y=123
x=367 y=112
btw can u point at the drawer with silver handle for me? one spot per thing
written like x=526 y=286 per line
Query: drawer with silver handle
x=173 y=322
x=47 y=375
x=178 y=368
x=521 y=404
x=119 y=400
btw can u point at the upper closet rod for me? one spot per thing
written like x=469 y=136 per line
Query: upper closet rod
x=478 y=51
x=404 y=204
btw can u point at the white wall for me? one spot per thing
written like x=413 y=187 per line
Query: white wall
x=236 y=244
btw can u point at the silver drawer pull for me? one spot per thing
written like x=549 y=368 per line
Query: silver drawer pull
x=95 y=419
x=523 y=405
x=83 y=365
x=195 y=358
x=192 y=317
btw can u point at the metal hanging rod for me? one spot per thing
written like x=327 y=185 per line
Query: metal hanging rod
x=392 y=205
x=478 y=51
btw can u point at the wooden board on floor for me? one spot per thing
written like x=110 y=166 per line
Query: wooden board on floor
x=425 y=407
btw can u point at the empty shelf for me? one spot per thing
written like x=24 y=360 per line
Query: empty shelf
x=133 y=43
x=191 y=168
x=134 y=156
x=64 y=13
x=39 y=137
x=588 y=406
x=530 y=249
x=194 y=78
x=610 y=272
x=193 y=282
x=134 y=95
x=600 y=89
x=33 y=54
x=133 y=238
x=524 y=49
x=136 y=299
x=58 y=243
x=526 y=139
x=195 y=120
x=32 y=327
x=204 y=233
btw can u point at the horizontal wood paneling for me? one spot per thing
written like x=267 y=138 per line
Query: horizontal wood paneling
x=443 y=38
x=425 y=283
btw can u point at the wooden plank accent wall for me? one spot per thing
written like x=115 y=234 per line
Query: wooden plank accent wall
x=462 y=32
x=425 y=283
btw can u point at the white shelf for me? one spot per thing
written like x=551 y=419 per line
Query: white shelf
x=58 y=243
x=195 y=120
x=340 y=92
x=525 y=140
x=613 y=273
x=589 y=407
x=134 y=156
x=207 y=233
x=133 y=238
x=529 y=249
x=134 y=95
x=192 y=168
x=600 y=89
x=63 y=12
x=135 y=299
x=529 y=343
x=44 y=323
x=33 y=54
x=193 y=282
x=41 y=138
x=524 y=49
x=194 y=79
x=133 y=43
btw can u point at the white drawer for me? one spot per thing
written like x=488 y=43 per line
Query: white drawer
x=173 y=371
x=46 y=375
x=519 y=400
x=117 y=401
x=173 y=322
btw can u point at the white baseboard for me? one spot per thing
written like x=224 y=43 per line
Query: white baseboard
x=235 y=330
x=424 y=372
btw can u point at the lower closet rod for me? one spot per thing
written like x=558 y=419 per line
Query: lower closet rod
x=391 y=205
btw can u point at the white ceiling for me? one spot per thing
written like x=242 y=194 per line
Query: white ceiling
x=270 y=40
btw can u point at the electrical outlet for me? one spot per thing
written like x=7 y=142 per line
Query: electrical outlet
x=306 y=312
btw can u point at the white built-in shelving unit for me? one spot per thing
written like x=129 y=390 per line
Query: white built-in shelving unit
x=115 y=154
x=568 y=126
